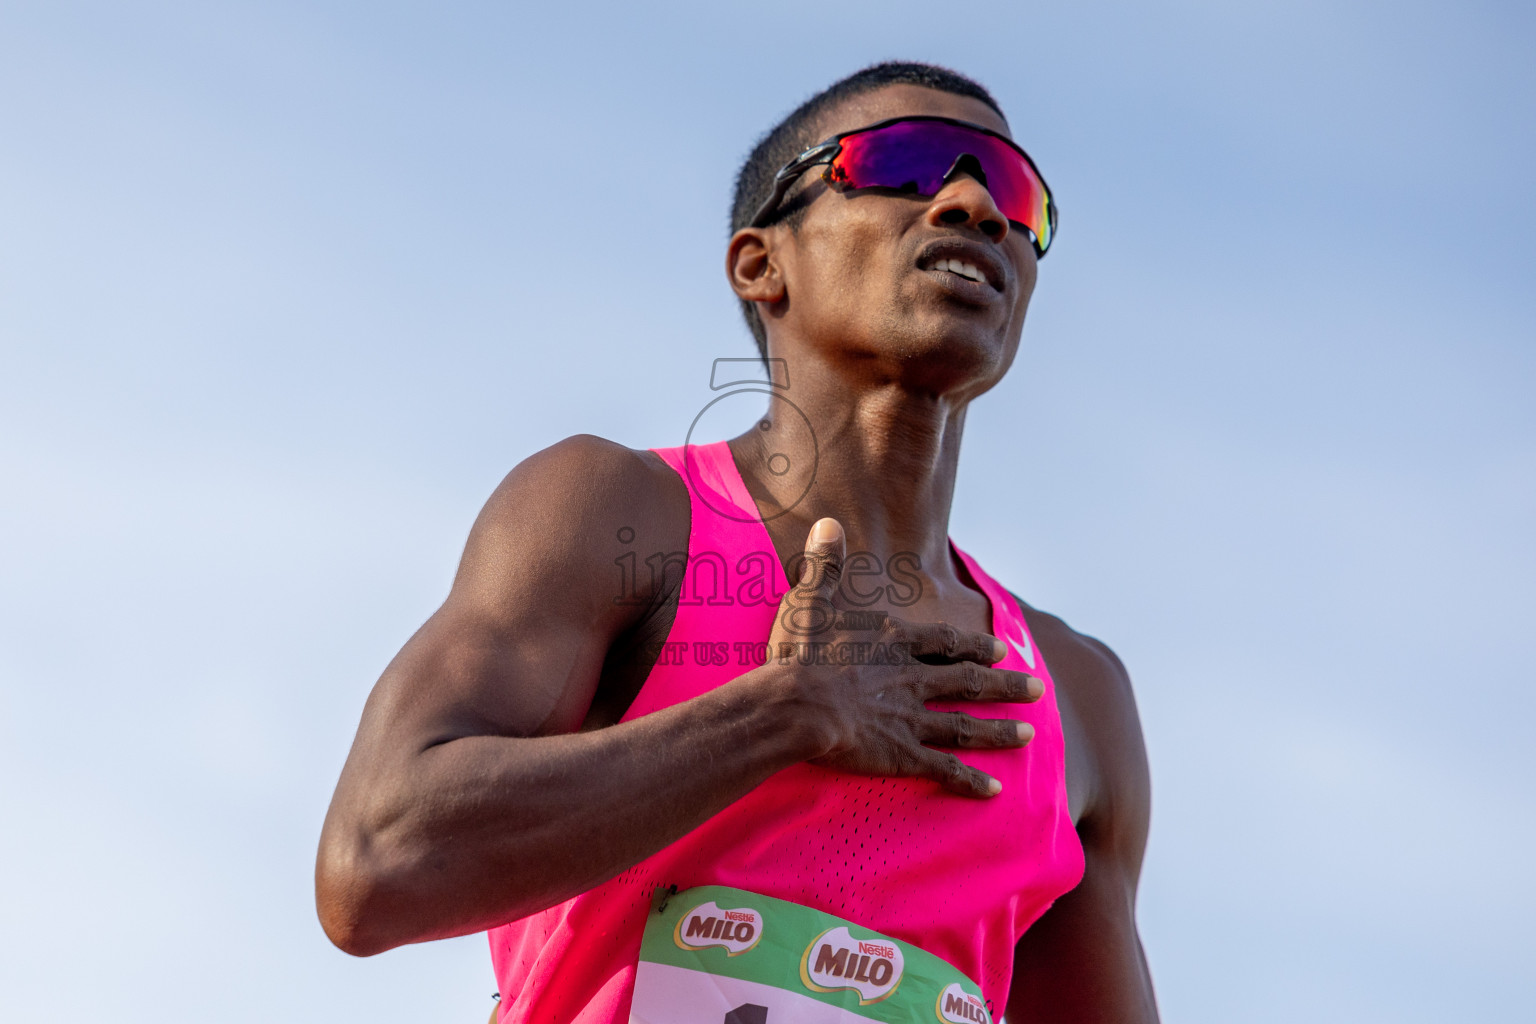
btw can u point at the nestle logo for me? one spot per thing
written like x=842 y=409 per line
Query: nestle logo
x=874 y=949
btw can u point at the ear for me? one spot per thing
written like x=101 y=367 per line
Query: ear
x=752 y=265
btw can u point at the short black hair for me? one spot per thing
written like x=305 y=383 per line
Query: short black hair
x=798 y=131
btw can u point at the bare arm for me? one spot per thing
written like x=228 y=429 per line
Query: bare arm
x=468 y=800
x=1083 y=960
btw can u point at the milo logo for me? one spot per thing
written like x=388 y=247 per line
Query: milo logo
x=835 y=960
x=734 y=931
x=958 y=1006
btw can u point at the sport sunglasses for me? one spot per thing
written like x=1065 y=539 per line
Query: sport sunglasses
x=917 y=155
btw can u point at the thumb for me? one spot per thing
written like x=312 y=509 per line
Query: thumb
x=807 y=610
x=825 y=549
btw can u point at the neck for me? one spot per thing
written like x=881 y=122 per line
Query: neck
x=878 y=455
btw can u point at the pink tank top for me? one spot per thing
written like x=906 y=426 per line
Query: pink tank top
x=959 y=877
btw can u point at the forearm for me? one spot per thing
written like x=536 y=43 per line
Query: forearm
x=481 y=830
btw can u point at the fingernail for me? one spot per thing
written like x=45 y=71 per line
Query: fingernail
x=1035 y=687
x=825 y=531
x=1026 y=732
x=999 y=650
x=993 y=787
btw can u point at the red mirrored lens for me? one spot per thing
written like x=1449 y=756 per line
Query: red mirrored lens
x=914 y=156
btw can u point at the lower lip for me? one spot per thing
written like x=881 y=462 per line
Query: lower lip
x=978 y=292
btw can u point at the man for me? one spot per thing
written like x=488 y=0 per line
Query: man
x=570 y=739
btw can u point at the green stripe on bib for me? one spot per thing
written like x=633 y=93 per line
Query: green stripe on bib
x=717 y=955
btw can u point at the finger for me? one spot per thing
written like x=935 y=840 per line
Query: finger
x=939 y=642
x=970 y=681
x=957 y=776
x=955 y=729
x=822 y=564
x=807 y=609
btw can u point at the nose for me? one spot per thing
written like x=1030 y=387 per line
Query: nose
x=965 y=200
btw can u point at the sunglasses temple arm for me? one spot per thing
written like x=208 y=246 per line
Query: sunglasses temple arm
x=785 y=178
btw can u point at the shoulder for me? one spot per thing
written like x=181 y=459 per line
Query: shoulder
x=586 y=472
x=571 y=508
x=1089 y=674
x=1098 y=708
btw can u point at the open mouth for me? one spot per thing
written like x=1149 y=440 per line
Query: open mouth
x=966 y=260
x=966 y=270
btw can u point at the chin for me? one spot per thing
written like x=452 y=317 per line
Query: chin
x=944 y=361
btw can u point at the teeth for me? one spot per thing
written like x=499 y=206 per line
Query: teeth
x=963 y=269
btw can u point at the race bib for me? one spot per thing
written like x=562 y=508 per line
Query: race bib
x=716 y=955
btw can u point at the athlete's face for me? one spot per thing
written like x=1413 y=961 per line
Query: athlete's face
x=862 y=274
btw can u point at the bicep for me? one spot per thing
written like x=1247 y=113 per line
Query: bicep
x=518 y=647
x=466 y=673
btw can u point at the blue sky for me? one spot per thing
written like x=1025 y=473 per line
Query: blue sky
x=285 y=289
